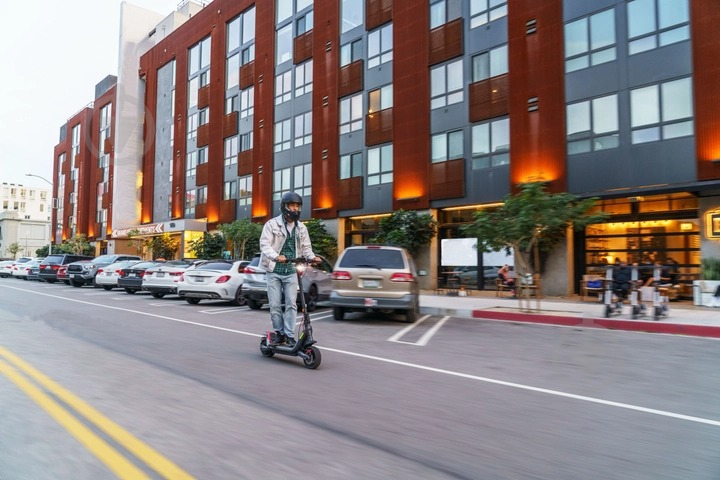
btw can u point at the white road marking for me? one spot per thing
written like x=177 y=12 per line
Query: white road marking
x=398 y=335
x=557 y=393
x=429 y=334
x=215 y=311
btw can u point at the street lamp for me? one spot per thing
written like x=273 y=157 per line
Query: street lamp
x=51 y=206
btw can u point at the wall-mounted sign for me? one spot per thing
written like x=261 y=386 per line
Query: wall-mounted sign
x=712 y=223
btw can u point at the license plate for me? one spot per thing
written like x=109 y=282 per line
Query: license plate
x=131 y=274
x=72 y=275
x=371 y=283
x=160 y=274
x=370 y=302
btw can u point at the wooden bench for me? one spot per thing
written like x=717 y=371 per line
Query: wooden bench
x=531 y=289
x=501 y=286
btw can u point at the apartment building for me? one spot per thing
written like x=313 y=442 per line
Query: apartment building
x=24 y=218
x=367 y=107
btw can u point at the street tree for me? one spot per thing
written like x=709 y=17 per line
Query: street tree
x=531 y=221
x=243 y=236
x=407 y=229
x=163 y=246
x=79 y=245
x=210 y=245
x=13 y=249
x=323 y=243
x=137 y=242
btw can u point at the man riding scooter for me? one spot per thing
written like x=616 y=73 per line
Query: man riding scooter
x=284 y=238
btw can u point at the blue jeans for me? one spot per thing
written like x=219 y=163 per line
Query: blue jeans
x=276 y=286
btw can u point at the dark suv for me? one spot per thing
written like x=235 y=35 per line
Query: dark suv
x=83 y=273
x=49 y=266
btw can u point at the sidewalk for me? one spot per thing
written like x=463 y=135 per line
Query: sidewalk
x=683 y=318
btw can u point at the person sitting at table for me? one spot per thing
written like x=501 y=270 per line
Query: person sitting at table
x=507 y=277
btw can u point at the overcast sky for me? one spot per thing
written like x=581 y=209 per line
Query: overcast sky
x=52 y=54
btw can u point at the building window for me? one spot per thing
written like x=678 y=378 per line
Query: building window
x=303 y=129
x=485 y=11
x=302 y=181
x=247 y=102
x=192 y=126
x=304 y=78
x=245 y=190
x=232 y=74
x=191 y=164
x=447 y=146
x=304 y=23
x=351 y=52
x=380 y=165
x=490 y=64
x=592 y=125
x=438 y=13
x=380 y=46
x=241 y=30
x=247 y=55
x=202 y=155
x=246 y=141
x=446 y=84
x=491 y=144
x=380 y=99
x=283 y=87
x=283 y=45
x=203 y=116
x=201 y=196
x=590 y=41
x=190 y=202
x=351 y=165
x=281 y=183
x=199 y=57
x=351 y=14
x=351 y=114
x=232 y=104
x=230 y=190
x=231 y=151
x=656 y=23
x=661 y=112
x=283 y=135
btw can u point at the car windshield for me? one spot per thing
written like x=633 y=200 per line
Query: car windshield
x=372 y=258
x=215 y=266
x=104 y=259
x=143 y=265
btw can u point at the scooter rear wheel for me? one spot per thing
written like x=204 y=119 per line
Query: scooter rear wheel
x=315 y=358
x=264 y=349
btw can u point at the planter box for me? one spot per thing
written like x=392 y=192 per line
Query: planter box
x=703 y=291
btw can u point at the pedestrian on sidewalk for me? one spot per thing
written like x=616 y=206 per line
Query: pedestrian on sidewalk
x=507 y=277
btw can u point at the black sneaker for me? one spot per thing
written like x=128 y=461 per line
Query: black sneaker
x=290 y=342
x=278 y=339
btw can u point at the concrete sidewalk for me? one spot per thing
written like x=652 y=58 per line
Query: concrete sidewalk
x=683 y=317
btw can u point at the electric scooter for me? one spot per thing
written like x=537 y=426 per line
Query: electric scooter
x=304 y=346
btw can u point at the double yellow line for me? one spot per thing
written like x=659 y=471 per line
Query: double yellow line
x=11 y=366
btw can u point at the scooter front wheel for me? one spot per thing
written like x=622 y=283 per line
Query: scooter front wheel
x=315 y=358
x=264 y=349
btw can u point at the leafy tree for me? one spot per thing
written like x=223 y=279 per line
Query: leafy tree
x=138 y=243
x=42 y=251
x=243 y=237
x=210 y=245
x=532 y=220
x=163 y=246
x=407 y=229
x=79 y=245
x=14 y=248
x=322 y=242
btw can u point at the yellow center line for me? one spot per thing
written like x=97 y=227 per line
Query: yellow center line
x=99 y=447
x=152 y=458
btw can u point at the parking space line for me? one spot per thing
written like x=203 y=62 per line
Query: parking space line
x=433 y=330
x=215 y=311
x=398 y=335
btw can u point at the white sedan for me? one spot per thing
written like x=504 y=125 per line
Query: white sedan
x=107 y=277
x=213 y=280
x=163 y=279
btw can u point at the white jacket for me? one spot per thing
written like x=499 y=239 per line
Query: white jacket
x=273 y=238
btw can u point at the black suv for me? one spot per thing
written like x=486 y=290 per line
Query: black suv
x=83 y=273
x=49 y=266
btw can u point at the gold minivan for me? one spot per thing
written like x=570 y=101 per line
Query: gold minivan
x=375 y=278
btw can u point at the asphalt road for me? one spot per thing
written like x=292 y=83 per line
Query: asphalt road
x=97 y=384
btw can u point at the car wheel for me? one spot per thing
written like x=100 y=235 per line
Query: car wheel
x=157 y=294
x=411 y=315
x=131 y=291
x=339 y=313
x=192 y=301
x=108 y=287
x=239 y=300
x=253 y=304
x=76 y=284
x=312 y=298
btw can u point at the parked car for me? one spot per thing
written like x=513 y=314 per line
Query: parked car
x=213 y=280
x=6 y=268
x=375 y=278
x=83 y=273
x=316 y=283
x=107 y=276
x=468 y=275
x=50 y=265
x=62 y=275
x=163 y=279
x=16 y=268
x=23 y=270
x=33 y=271
x=131 y=276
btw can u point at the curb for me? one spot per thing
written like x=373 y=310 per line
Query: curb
x=609 y=324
